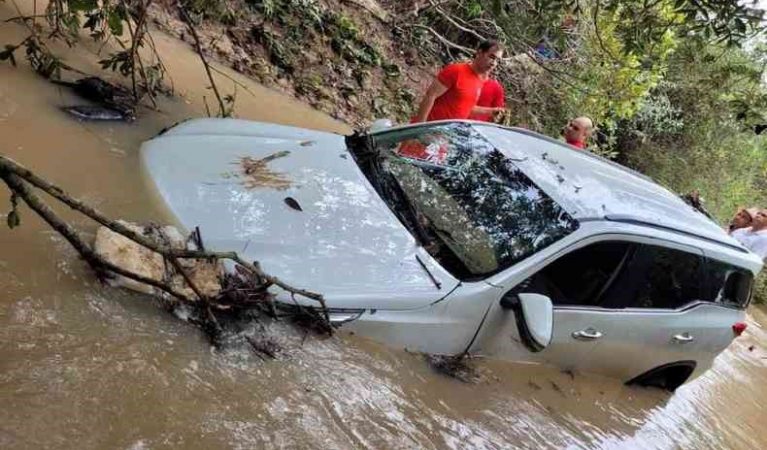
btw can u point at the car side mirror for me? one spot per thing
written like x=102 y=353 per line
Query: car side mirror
x=534 y=314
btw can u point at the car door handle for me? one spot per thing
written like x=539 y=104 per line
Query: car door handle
x=589 y=334
x=683 y=338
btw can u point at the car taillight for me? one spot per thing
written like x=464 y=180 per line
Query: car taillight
x=738 y=328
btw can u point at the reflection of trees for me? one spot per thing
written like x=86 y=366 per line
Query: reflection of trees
x=673 y=278
x=447 y=218
x=492 y=205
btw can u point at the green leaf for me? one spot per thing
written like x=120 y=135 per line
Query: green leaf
x=82 y=5
x=13 y=219
x=115 y=23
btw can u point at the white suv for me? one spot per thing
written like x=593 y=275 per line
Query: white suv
x=459 y=236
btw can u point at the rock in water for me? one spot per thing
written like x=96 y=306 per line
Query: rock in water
x=122 y=252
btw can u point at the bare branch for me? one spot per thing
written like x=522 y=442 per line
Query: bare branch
x=188 y=21
x=456 y=24
x=444 y=40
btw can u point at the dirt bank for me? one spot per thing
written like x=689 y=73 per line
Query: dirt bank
x=346 y=58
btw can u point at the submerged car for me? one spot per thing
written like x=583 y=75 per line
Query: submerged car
x=460 y=236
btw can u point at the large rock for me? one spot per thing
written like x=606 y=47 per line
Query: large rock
x=124 y=253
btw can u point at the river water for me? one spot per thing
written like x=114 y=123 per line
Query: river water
x=85 y=366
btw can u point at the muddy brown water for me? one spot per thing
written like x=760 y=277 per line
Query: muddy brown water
x=84 y=366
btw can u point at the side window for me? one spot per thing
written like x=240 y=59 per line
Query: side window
x=660 y=277
x=582 y=277
x=727 y=284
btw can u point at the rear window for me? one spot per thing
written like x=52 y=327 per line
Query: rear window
x=728 y=284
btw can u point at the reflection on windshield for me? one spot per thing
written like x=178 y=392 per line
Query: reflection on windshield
x=477 y=212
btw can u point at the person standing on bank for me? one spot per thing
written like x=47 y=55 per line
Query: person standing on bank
x=454 y=92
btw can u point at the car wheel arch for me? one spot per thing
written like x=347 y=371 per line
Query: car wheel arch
x=667 y=376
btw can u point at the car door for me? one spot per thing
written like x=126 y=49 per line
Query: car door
x=576 y=283
x=659 y=311
x=620 y=307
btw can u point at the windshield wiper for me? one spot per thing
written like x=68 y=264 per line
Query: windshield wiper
x=428 y=272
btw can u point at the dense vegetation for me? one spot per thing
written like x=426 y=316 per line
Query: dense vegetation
x=675 y=86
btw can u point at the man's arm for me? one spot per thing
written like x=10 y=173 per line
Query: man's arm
x=435 y=90
x=485 y=110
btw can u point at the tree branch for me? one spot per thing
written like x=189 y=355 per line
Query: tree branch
x=9 y=166
x=198 y=47
x=444 y=40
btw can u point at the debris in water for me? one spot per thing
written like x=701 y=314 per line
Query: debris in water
x=290 y=201
x=87 y=112
x=556 y=387
x=534 y=385
x=264 y=345
x=456 y=366
x=257 y=174
x=189 y=282
x=111 y=96
x=306 y=143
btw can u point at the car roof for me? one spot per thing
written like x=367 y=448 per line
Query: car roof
x=589 y=187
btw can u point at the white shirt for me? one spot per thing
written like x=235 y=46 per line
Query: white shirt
x=754 y=241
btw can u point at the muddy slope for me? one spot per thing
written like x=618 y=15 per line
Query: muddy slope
x=347 y=58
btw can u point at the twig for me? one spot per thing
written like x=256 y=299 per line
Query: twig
x=456 y=24
x=442 y=39
x=237 y=83
x=159 y=60
x=23 y=18
x=599 y=35
x=198 y=47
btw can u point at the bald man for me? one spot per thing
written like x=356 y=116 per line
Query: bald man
x=578 y=131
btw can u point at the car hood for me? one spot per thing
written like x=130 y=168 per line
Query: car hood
x=295 y=201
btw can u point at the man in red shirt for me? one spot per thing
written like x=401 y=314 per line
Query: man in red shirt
x=492 y=96
x=578 y=131
x=455 y=91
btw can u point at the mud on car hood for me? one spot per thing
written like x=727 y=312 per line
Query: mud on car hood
x=241 y=182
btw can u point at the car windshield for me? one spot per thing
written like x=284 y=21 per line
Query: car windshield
x=466 y=203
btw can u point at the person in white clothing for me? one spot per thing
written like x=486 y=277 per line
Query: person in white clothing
x=743 y=219
x=754 y=238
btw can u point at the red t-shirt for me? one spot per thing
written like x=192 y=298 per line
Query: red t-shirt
x=491 y=96
x=463 y=88
x=577 y=144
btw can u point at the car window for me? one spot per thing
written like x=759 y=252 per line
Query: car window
x=658 y=277
x=469 y=205
x=728 y=284
x=617 y=274
x=582 y=277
